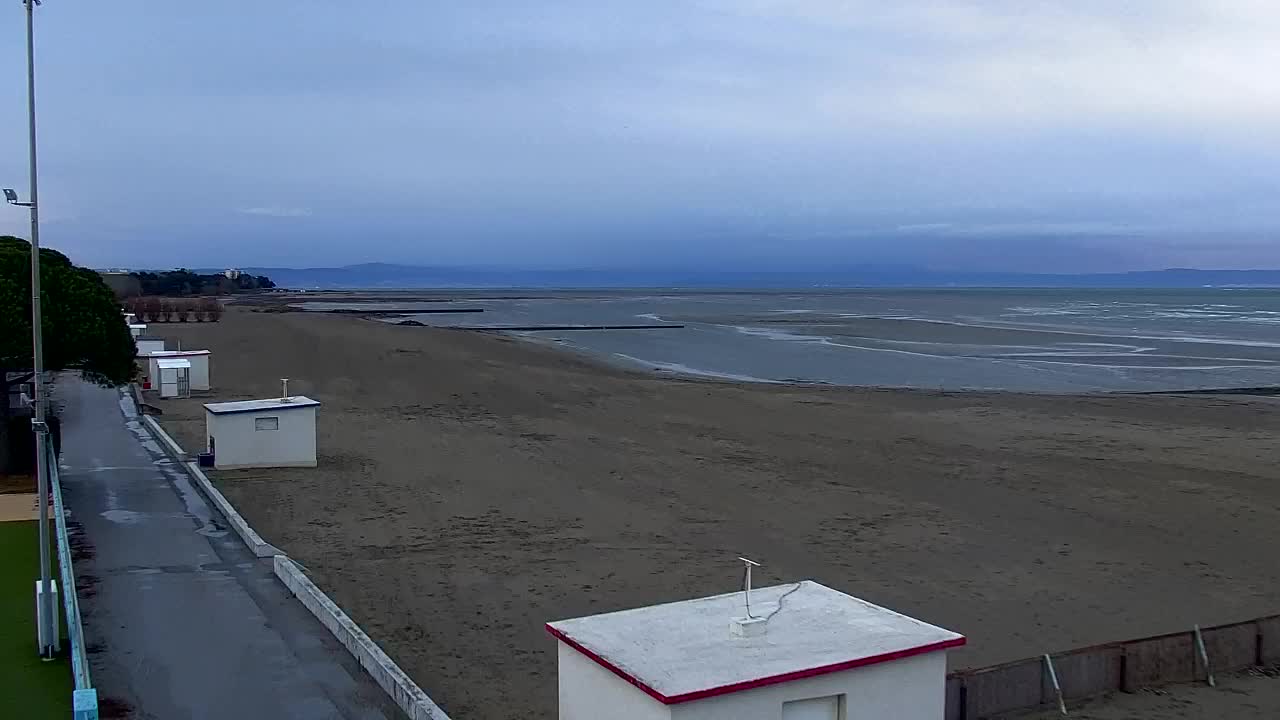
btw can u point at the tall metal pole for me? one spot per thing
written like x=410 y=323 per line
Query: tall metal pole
x=45 y=616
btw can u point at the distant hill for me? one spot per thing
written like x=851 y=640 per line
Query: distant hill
x=385 y=275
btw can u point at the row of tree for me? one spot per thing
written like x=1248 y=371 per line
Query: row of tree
x=183 y=282
x=81 y=320
x=165 y=309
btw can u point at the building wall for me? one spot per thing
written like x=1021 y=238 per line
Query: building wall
x=909 y=689
x=199 y=376
x=199 y=371
x=240 y=445
x=146 y=347
x=590 y=692
x=153 y=373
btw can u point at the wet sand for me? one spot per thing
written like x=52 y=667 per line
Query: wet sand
x=472 y=487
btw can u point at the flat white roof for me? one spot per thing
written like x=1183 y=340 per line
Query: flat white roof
x=685 y=651
x=177 y=353
x=137 y=326
x=243 y=406
x=170 y=363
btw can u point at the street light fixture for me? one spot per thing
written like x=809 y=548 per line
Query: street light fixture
x=11 y=197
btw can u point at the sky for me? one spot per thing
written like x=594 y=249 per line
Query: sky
x=1025 y=135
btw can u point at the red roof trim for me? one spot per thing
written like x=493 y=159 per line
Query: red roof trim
x=758 y=682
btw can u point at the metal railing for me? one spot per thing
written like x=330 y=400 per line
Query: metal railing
x=85 y=698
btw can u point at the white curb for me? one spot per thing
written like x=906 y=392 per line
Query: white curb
x=406 y=693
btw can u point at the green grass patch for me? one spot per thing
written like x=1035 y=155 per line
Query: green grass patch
x=31 y=687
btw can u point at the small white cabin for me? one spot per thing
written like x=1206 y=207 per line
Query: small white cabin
x=174 y=377
x=802 y=652
x=280 y=432
x=199 y=373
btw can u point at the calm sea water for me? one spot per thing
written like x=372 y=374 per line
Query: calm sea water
x=1028 y=340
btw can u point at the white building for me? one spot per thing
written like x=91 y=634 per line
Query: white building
x=199 y=374
x=136 y=329
x=147 y=345
x=280 y=432
x=803 y=652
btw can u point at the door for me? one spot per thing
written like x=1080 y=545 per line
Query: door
x=168 y=382
x=823 y=708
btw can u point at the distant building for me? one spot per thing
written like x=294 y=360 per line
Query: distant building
x=231 y=273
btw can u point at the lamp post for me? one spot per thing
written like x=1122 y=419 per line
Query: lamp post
x=45 y=607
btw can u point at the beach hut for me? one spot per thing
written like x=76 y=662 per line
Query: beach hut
x=173 y=377
x=801 y=651
x=147 y=345
x=280 y=432
x=199 y=359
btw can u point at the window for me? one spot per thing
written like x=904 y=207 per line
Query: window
x=824 y=708
x=266 y=423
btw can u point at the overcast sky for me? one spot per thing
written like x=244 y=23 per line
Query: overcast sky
x=1005 y=134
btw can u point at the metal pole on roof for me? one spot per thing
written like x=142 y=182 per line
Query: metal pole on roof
x=44 y=604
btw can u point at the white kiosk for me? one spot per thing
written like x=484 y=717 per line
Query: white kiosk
x=801 y=651
x=173 y=376
x=199 y=360
x=280 y=432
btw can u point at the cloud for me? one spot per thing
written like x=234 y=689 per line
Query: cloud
x=277 y=212
x=1024 y=229
x=610 y=131
x=1001 y=63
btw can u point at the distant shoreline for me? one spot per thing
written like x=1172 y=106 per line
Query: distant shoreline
x=878 y=339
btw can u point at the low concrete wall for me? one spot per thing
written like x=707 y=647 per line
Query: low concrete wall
x=1002 y=688
x=1231 y=647
x=1085 y=672
x=1129 y=666
x=415 y=703
x=1157 y=661
x=1269 y=641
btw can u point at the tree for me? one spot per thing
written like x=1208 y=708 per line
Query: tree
x=209 y=310
x=150 y=308
x=185 y=283
x=82 y=325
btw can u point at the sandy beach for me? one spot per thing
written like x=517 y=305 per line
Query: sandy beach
x=472 y=487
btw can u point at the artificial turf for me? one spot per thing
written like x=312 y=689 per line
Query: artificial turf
x=31 y=687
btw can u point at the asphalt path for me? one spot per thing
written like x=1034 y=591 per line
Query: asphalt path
x=180 y=619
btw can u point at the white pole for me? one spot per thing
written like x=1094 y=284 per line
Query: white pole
x=746 y=582
x=1057 y=689
x=48 y=644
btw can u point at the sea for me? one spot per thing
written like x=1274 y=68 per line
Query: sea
x=1028 y=340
